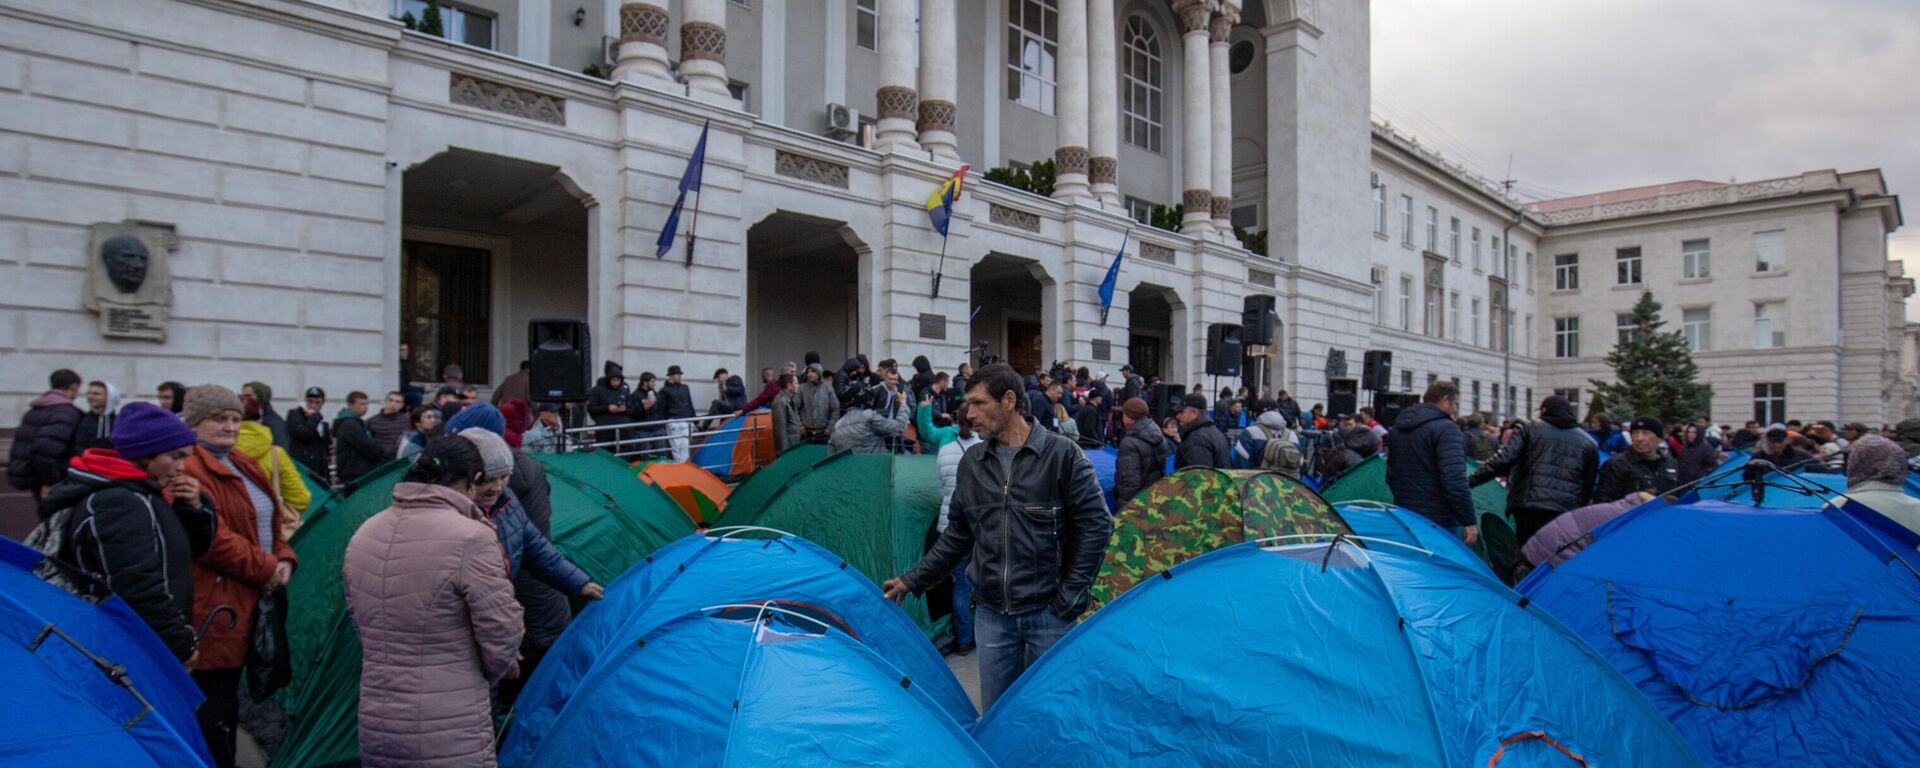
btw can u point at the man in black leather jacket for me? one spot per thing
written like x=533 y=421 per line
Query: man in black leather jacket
x=1645 y=466
x=1550 y=467
x=1028 y=510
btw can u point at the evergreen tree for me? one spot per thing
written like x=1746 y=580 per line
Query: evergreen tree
x=430 y=22
x=1653 y=370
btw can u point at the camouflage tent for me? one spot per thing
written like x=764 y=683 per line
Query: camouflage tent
x=1195 y=511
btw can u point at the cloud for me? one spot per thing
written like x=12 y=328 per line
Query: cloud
x=1591 y=95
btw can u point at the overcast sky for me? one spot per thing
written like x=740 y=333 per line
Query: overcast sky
x=1592 y=95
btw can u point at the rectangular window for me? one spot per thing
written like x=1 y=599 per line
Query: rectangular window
x=1626 y=266
x=1406 y=220
x=1476 y=321
x=1770 y=250
x=1572 y=395
x=1453 y=316
x=1566 y=337
x=866 y=24
x=1526 y=339
x=1623 y=327
x=1379 y=192
x=1496 y=400
x=1476 y=397
x=1433 y=229
x=459 y=24
x=1245 y=217
x=1497 y=254
x=1476 y=249
x=1697 y=325
x=1406 y=381
x=1434 y=294
x=1769 y=324
x=1406 y=302
x=1696 y=259
x=1431 y=379
x=1513 y=264
x=1566 y=272
x=1379 y=278
x=1500 y=316
x=1453 y=240
x=1140 y=210
x=1529 y=270
x=1033 y=42
x=1770 y=403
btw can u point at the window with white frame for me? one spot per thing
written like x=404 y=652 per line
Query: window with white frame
x=1513 y=264
x=1379 y=192
x=1566 y=337
x=1572 y=395
x=1626 y=266
x=1379 y=278
x=1526 y=338
x=1696 y=259
x=1696 y=324
x=1476 y=396
x=1528 y=271
x=1033 y=43
x=1140 y=210
x=1495 y=388
x=1497 y=254
x=457 y=23
x=1500 y=315
x=1143 y=79
x=1770 y=250
x=1476 y=249
x=1406 y=381
x=866 y=24
x=1566 y=272
x=1453 y=239
x=1453 y=315
x=1433 y=229
x=1769 y=324
x=1623 y=328
x=1476 y=321
x=1406 y=302
x=1406 y=219
x=1770 y=402
x=1434 y=294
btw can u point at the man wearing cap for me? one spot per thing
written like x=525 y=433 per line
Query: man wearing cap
x=309 y=436
x=1776 y=447
x=676 y=402
x=137 y=521
x=1199 y=443
x=1644 y=466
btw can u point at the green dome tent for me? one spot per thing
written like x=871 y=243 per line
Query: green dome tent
x=604 y=520
x=1195 y=511
x=1367 y=481
x=839 y=503
x=752 y=493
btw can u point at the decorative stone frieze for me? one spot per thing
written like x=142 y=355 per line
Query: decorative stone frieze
x=811 y=169
x=478 y=93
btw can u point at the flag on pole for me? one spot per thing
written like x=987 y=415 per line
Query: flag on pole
x=1112 y=279
x=689 y=182
x=940 y=203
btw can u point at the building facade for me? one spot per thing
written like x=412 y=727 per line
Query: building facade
x=332 y=178
x=1781 y=286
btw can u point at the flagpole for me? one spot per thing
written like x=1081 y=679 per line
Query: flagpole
x=941 y=267
x=693 y=229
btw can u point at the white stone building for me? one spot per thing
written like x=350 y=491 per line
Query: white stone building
x=1782 y=287
x=338 y=183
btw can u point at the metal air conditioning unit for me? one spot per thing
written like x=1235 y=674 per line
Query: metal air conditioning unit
x=609 y=51
x=842 y=120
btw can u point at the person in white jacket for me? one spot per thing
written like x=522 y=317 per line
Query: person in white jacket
x=949 y=468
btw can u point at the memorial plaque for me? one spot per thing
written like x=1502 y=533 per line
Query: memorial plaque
x=128 y=282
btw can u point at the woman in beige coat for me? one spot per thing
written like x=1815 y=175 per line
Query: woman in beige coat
x=427 y=588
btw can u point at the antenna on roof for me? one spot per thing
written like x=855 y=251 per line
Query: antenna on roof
x=1506 y=184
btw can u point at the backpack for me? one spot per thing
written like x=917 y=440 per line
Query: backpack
x=51 y=537
x=1281 y=456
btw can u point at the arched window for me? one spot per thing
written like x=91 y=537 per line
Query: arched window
x=1145 y=74
x=1033 y=39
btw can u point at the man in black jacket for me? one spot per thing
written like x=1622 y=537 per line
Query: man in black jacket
x=1644 y=466
x=1550 y=466
x=1143 y=453
x=1200 y=443
x=610 y=403
x=354 y=447
x=1427 y=462
x=308 y=436
x=46 y=437
x=1027 y=509
x=676 y=402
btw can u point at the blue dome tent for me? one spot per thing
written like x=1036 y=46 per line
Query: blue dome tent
x=745 y=685
x=718 y=567
x=1324 y=654
x=1104 y=461
x=1374 y=520
x=1770 y=636
x=87 y=684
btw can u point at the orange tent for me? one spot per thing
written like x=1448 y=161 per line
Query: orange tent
x=696 y=490
x=744 y=445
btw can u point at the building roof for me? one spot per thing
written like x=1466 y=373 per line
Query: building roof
x=1695 y=193
x=1458 y=172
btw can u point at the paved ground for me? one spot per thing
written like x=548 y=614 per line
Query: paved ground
x=967 y=669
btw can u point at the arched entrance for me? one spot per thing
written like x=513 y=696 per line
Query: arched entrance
x=488 y=243
x=1154 y=344
x=803 y=290
x=1008 y=302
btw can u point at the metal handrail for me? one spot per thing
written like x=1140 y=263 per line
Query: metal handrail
x=583 y=438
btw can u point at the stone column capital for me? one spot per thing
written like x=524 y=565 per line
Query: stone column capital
x=1221 y=25
x=1194 y=14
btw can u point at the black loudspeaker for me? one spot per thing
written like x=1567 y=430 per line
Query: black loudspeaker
x=560 y=356
x=1256 y=321
x=1343 y=397
x=1376 y=372
x=1223 y=350
x=1165 y=399
x=1388 y=405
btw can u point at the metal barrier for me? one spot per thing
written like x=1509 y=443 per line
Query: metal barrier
x=627 y=441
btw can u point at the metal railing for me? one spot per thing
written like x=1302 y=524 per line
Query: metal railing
x=653 y=439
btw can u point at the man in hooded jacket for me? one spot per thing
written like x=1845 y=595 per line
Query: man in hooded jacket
x=1143 y=453
x=1550 y=467
x=1427 y=461
x=819 y=406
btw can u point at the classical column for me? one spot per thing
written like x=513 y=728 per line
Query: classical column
x=1103 y=104
x=643 y=43
x=897 y=101
x=1070 y=102
x=938 y=41
x=1196 y=157
x=1222 y=99
x=703 y=46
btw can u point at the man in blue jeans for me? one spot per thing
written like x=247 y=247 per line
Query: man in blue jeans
x=1027 y=512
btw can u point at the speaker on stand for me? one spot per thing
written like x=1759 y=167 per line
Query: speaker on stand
x=559 y=362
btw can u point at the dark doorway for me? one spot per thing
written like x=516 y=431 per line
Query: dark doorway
x=1023 y=346
x=1008 y=298
x=445 y=291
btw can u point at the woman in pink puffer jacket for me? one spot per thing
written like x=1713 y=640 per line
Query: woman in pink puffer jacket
x=427 y=588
